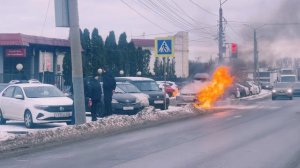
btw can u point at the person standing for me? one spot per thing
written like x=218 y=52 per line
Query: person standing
x=95 y=93
x=109 y=86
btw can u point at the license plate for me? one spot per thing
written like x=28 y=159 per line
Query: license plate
x=60 y=115
x=128 y=108
x=158 y=102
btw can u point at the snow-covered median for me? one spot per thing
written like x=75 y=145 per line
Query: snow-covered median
x=4 y=136
x=104 y=126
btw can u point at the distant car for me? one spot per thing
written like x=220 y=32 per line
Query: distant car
x=157 y=97
x=34 y=104
x=133 y=90
x=255 y=87
x=282 y=89
x=296 y=89
x=169 y=87
x=266 y=85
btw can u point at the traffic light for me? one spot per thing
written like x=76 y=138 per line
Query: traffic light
x=234 y=50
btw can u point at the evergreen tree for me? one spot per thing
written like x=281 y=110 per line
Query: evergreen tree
x=111 y=53
x=132 y=58
x=86 y=54
x=67 y=69
x=97 y=51
x=156 y=66
x=123 y=52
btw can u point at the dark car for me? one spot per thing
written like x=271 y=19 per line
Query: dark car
x=157 y=97
x=296 y=89
x=266 y=85
x=282 y=89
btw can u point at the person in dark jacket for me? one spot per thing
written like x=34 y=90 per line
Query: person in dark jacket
x=109 y=86
x=95 y=93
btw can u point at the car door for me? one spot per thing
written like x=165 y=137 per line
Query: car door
x=5 y=103
x=18 y=103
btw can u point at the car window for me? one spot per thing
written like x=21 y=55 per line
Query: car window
x=9 y=92
x=18 y=91
x=43 y=92
x=146 y=85
x=128 y=88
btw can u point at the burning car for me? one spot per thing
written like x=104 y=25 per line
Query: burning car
x=188 y=92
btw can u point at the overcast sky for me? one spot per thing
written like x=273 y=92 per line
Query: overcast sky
x=165 y=17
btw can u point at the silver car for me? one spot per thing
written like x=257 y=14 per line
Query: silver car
x=282 y=89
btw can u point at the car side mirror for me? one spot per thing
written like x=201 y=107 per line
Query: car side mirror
x=19 y=96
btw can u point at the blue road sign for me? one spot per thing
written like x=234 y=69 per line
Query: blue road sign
x=164 y=47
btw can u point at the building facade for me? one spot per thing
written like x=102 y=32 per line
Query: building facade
x=40 y=57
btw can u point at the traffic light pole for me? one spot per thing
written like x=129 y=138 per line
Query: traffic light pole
x=76 y=59
x=255 y=55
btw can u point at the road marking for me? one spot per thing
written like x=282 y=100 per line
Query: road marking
x=237 y=116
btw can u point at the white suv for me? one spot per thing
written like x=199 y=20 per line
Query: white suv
x=34 y=104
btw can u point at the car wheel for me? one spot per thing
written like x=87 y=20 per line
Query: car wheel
x=2 y=120
x=163 y=107
x=69 y=123
x=28 y=120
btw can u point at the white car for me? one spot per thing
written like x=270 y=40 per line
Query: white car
x=34 y=104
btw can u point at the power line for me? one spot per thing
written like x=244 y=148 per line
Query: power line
x=203 y=9
x=46 y=16
x=143 y=16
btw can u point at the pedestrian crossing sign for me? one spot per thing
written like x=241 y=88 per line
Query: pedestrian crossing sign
x=164 y=47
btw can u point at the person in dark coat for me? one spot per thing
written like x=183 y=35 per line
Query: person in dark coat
x=109 y=86
x=95 y=92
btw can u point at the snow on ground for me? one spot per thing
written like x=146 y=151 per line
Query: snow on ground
x=56 y=133
x=5 y=136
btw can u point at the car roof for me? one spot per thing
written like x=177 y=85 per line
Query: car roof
x=134 y=78
x=30 y=84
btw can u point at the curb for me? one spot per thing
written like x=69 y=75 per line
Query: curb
x=105 y=126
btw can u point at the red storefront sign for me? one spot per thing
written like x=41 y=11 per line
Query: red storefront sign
x=15 y=52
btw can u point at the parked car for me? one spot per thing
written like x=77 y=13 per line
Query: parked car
x=157 y=97
x=129 y=88
x=282 y=89
x=34 y=104
x=169 y=87
x=255 y=87
x=188 y=92
x=296 y=89
x=125 y=103
x=245 y=91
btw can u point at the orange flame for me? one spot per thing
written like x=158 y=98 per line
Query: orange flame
x=221 y=81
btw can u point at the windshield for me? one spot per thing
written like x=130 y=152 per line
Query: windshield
x=2 y=87
x=146 y=85
x=264 y=74
x=128 y=88
x=282 y=85
x=288 y=79
x=42 y=92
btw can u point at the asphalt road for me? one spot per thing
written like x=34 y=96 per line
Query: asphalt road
x=263 y=134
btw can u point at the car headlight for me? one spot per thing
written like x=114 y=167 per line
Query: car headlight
x=41 y=107
x=274 y=91
x=290 y=90
x=114 y=101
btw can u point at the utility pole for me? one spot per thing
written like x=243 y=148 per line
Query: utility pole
x=221 y=34
x=77 y=77
x=255 y=55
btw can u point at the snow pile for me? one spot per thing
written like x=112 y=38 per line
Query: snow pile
x=104 y=126
x=4 y=136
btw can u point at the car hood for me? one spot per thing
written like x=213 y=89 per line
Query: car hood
x=124 y=98
x=154 y=93
x=56 y=101
x=143 y=98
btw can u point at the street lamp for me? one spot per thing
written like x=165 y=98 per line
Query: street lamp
x=19 y=67
x=100 y=71
x=121 y=72
x=139 y=73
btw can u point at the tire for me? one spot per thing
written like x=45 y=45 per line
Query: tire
x=2 y=120
x=69 y=123
x=28 y=120
x=164 y=108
